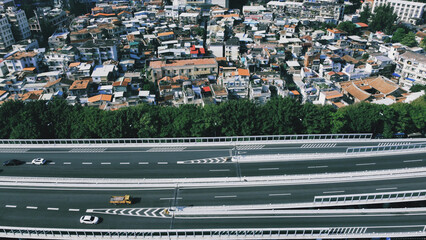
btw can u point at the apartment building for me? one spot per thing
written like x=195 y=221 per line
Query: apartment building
x=222 y=3
x=6 y=36
x=407 y=11
x=20 y=60
x=192 y=68
x=19 y=23
x=99 y=51
x=412 y=68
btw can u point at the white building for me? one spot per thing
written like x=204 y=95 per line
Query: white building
x=6 y=36
x=222 y=3
x=412 y=68
x=19 y=23
x=20 y=60
x=407 y=11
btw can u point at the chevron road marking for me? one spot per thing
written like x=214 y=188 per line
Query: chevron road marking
x=206 y=161
x=319 y=145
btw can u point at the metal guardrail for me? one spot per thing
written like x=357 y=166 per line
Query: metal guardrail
x=372 y=197
x=295 y=233
x=360 y=136
x=403 y=147
x=174 y=234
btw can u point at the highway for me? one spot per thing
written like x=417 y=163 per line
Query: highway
x=22 y=204
x=61 y=207
x=182 y=165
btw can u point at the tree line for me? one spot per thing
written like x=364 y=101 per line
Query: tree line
x=279 y=116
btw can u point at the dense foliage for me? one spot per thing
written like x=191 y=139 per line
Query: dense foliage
x=383 y=19
x=57 y=119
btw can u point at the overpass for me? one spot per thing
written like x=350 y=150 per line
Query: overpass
x=280 y=187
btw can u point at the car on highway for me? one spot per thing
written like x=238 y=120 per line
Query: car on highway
x=12 y=162
x=89 y=219
x=38 y=161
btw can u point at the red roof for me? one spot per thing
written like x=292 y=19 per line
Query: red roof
x=206 y=89
x=202 y=51
x=361 y=24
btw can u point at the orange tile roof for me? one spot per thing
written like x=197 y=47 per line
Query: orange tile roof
x=338 y=104
x=33 y=95
x=335 y=30
x=165 y=34
x=123 y=12
x=74 y=64
x=19 y=55
x=361 y=24
x=382 y=85
x=29 y=69
x=332 y=94
x=80 y=84
x=100 y=97
x=295 y=92
x=2 y=92
x=124 y=83
x=184 y=62
x=243 y=72
x=356 y=92
x=104 y=14
x=51 y=83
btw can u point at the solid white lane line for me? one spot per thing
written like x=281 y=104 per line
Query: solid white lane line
x=389 y=188
x=74 y=210
x=86 y=163
x=279 y=194
x=162 y=163
x=52 y=163
x=124 y=163
x=230 y=196
x=365 y=164
x=67 y=163
x=334 y=192
x=418 y=160
x=10 y=206
x=219 y=170
x=52 y=209
x=318 y=167
x=105 y=163
x=144 y=163
x=31 y=207
x=267 y=169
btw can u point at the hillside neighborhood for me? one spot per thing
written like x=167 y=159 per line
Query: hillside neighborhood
x=123 y=53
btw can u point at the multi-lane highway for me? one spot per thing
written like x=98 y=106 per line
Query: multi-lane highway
x=261 y=204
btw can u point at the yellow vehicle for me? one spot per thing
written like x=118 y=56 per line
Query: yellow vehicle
x=126 y=199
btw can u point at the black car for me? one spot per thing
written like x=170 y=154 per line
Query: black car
x=12 y=162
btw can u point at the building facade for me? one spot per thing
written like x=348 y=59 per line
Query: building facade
x=407 y=11
x=6 y=36
x=19 y=23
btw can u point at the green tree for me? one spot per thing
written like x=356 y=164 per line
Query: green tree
x=423 y=43
x=409 y=40
x=365 y=56
x=383 y=19
x=417 y=88
x=347 y=26
x=365 y=15
x=398 y=35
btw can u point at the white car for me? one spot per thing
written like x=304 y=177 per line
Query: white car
x=38 y=161
x=88 y=219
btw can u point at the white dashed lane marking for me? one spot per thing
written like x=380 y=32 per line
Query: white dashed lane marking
x=67 y=163
x=105 y=163
x=162 y=163
x=52 y=209
x=279 y=194
x=124 y=163
x=143 y=163
x=318 y=167
x=230 y=196
x=73 y=210
x=31 y=207
x=408 y=161
x=365 y=164
x=86 y=163
x=10 y=206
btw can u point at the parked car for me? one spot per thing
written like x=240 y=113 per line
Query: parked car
x=12 y=162
x=89 y=219
x=38 y=161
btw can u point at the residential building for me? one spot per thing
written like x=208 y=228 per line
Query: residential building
x=19 y=23
x=407 y=11
x=20 y=60
x=412 y=68
x=104 y=74
x=99 y=51
x=193 y=68
x=6 y=36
